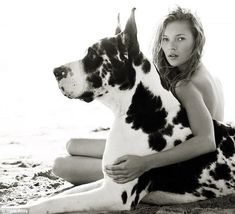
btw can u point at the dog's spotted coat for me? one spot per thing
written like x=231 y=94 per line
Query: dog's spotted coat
x=148 y=119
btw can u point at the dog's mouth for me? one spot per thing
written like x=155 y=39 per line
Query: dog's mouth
x=87 y=96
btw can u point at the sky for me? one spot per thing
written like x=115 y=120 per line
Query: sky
x=38 y=35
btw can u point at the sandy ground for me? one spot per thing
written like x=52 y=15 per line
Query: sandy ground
x=25 y=178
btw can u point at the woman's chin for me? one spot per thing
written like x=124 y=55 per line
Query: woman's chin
x=174 y=64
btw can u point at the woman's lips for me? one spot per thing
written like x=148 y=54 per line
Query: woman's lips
x=173 y=56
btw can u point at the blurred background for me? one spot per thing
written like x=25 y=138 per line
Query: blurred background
x=38 y=35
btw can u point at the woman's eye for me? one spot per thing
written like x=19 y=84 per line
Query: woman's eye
x=165 y=39
x=181 y=38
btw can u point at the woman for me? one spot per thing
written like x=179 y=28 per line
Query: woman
x=177 y=54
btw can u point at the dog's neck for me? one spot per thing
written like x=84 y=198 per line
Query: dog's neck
x=119 y=101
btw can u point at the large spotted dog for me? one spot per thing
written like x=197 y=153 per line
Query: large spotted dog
x=148 y=119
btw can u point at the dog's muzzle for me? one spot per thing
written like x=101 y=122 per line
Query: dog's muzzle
x=61 y=72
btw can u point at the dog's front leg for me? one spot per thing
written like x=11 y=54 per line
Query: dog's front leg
x=83 y=188
x=104 y=198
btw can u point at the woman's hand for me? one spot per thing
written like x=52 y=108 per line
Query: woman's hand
x=126 y=168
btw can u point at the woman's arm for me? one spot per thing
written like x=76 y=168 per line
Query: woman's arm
x=129 y=167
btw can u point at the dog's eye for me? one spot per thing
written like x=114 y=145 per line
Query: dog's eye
x=91 y=53
x=92 y=60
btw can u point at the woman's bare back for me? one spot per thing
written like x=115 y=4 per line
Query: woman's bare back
x=211 y=91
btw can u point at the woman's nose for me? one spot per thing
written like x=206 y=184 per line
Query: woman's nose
x=172 y=45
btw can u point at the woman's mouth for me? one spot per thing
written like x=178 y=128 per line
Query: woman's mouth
x=173 y=56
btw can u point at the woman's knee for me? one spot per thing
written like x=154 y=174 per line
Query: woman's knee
x=86 y=147
x=58 y=167
x=70 y=146
x=76 y=146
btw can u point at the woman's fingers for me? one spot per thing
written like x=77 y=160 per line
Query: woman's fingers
x=115 y=167
x=120 y=160
x=116 y=172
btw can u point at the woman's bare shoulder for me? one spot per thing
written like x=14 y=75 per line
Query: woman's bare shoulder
x=186 y=92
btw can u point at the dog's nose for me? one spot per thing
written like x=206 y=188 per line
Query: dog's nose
x=61 y=72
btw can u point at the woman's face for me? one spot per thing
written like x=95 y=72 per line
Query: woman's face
x=177 y=43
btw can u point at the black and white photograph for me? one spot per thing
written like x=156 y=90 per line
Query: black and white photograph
x=117 y=106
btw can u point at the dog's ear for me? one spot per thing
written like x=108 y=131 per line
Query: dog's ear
x=130 y=35
x=118 y=28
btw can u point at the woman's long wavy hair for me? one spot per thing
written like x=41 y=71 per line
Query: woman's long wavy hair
x=171 y=75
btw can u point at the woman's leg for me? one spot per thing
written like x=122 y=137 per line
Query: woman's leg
x=84 y=163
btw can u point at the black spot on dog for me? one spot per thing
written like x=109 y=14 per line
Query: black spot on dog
x=181 y=118
x=124 y=197
x=110 y=47
x=146 y=111
x=134 y=189
x=124 y=75
x=177 y=142
x=223 y=140
x=138 y=60
x=92 y=61
x=227 y=147
x=229 y=185
x=136 y=201
x=221 y=131
x=208 y=194
x=95 y=80
x=189 y=136
x=111 y=82
x=87 y=96
x=213 y=186
x=146 y=66
x=222 y=171
x=156 y=141
x=168 y=130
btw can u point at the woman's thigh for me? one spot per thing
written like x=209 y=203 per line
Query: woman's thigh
x=86 y=147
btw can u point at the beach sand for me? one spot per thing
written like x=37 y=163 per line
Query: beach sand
x=27 y=177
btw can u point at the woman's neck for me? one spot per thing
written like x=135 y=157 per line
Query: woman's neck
x=184 y=66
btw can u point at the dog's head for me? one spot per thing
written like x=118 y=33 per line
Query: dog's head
x=107 y=64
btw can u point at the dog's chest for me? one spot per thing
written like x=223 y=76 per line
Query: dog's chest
x=146 y=128
x=123 y=140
